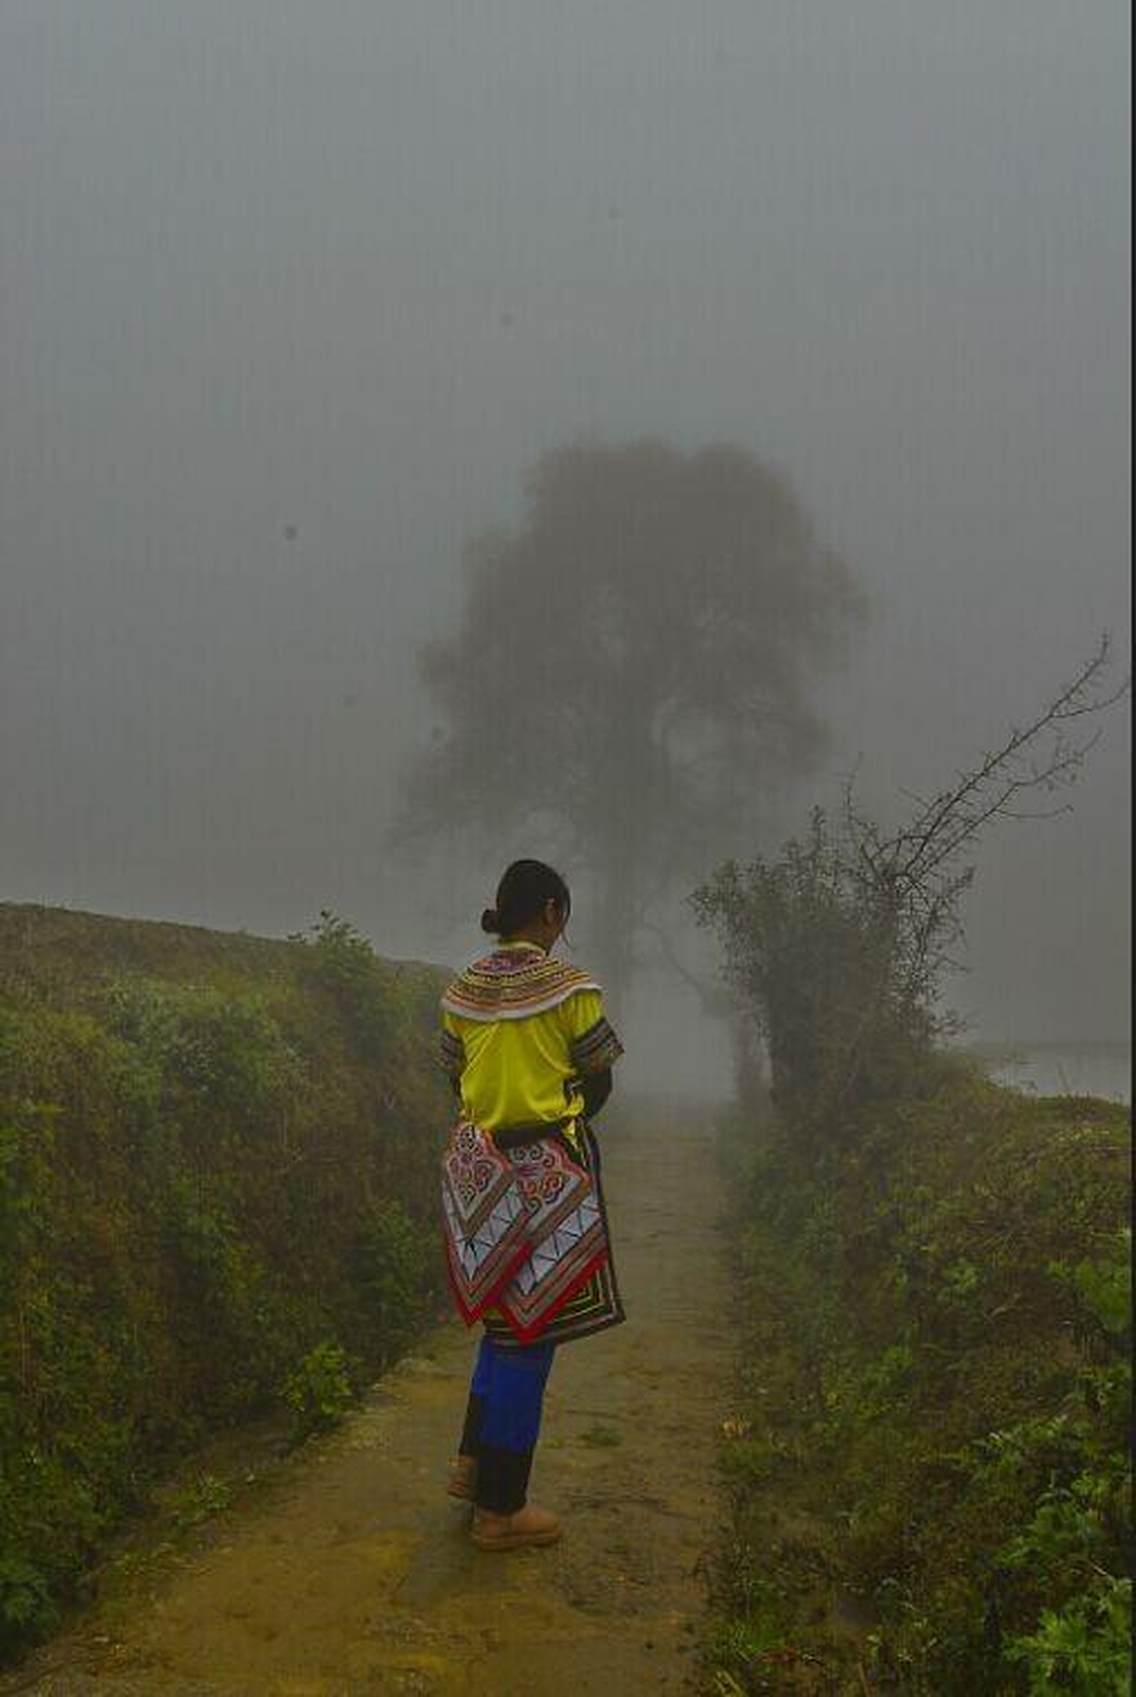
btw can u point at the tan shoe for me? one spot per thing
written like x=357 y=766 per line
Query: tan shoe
x=530 y=1525
x=463 y=1477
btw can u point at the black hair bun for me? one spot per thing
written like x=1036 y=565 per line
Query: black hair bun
x=490 y=921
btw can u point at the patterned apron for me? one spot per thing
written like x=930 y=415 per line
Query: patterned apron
x=526 y=1236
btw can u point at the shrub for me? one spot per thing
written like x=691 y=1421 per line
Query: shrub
x=341 y=961
x=202 y=1142
x=1085 y=1648
x=320 y=1391
x=818 y=956
x=396 y=1262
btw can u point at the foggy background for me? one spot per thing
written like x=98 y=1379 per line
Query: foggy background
x=293 y=294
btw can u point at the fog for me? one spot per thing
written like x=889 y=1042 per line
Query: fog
x=293 y=295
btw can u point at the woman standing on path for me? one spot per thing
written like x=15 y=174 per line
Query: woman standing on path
x=529 y=1050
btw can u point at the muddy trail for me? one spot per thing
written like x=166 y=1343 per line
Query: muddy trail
x=351 y=1573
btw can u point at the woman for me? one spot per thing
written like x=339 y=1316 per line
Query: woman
x=529 y=1050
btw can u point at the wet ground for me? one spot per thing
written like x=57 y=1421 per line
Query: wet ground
x=352 y=1573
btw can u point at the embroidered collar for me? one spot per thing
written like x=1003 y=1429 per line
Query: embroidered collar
x=514 y=981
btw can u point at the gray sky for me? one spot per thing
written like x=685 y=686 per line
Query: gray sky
x=348 y=267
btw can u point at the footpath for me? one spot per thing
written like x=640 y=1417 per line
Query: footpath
x=351 y=1574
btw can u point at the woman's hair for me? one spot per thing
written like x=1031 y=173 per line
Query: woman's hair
x=522 y=893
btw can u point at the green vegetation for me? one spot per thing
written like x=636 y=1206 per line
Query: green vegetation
x=320 y=1391
x=200 y=1500
x=928 y=1464
x=933 y=1392
x=216 y=1197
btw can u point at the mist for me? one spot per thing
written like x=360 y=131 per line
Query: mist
x=292 y=298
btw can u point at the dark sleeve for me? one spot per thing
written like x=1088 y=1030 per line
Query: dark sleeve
x=596 y=1088
x=451 y=1055
x=596 y=1050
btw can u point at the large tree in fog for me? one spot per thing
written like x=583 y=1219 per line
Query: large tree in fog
x=632 y=669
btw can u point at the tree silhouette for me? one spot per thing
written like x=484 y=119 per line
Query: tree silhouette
x=632 y=668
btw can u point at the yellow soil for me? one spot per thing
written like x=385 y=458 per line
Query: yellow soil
x=353 y=1574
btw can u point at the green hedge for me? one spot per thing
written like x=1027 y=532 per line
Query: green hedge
x=217 y=1193
x=933 y=1401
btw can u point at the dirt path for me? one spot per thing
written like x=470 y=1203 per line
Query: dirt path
x=353 y=1575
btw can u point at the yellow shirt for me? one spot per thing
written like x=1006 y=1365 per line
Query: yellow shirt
x=516 y=1072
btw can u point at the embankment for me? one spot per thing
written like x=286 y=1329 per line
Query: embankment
x=216 y=1164
x=928 y=1460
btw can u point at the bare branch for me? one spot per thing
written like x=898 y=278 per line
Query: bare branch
x=957 y=814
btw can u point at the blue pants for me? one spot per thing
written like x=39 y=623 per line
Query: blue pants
x=502 y=1421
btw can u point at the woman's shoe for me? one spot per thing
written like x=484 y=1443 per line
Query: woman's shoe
x=530 y=1525
x=463 y=1477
